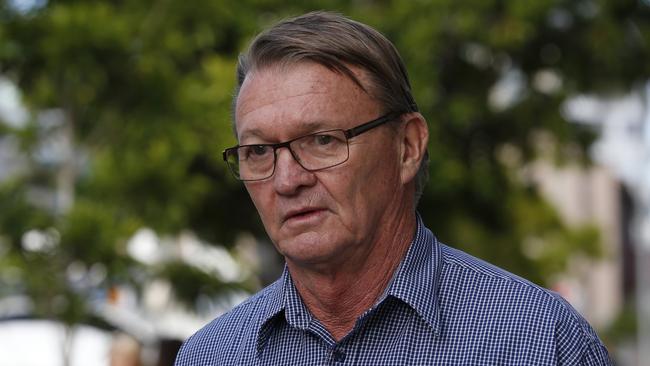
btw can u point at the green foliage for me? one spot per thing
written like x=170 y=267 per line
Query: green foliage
x=18 y=216
x=145 y=88
x=190 y=283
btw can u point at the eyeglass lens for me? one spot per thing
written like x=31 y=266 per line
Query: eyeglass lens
x=313 y=152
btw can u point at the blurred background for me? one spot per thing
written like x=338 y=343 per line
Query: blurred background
x=122 y=233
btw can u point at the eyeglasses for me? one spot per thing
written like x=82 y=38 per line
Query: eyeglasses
x=316 y=151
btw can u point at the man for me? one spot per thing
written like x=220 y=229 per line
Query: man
x=332 y=151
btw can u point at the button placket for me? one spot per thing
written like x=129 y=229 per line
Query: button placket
x=338 y=356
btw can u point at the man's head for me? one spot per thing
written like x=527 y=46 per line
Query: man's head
x=322 y=72
x=337 y=43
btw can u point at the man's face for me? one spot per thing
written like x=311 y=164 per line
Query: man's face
x=327 y=217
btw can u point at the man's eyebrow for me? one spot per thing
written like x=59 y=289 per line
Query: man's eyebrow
x=304 y=128
x=315 y=126
x=250 y=133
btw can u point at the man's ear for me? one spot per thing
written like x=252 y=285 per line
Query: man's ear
x=415 y=138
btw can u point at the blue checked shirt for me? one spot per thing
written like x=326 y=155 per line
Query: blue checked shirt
x=442 y=307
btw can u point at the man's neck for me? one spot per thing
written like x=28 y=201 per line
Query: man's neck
x=337 y=298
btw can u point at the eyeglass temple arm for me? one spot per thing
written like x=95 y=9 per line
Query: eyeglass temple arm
x=356 y=131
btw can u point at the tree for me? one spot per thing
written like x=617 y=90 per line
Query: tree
x=138 y=94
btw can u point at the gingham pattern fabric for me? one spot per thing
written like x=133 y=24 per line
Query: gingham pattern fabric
x=443 y=307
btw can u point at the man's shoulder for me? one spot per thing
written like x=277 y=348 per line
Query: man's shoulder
x=234 y=328
x=511 y=302
x=471 y=275
x=460 y=267
x=238 y=316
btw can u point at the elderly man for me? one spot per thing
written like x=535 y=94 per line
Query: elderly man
x=332 y=151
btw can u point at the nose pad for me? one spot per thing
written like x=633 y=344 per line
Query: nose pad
x=286 y=157
x=296 y=158
x=289 y=173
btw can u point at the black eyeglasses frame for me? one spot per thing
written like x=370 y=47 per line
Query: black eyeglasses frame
x=349 y=133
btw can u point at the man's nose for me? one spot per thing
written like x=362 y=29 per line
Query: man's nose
x=289 y=175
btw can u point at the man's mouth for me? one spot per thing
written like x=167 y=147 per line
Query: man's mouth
x=302 y=214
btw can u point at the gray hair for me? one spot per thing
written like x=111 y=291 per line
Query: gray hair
x=337 y=42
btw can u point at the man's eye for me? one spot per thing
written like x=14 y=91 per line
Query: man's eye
x=256 y=152
x=259 y=149
x=323 y=139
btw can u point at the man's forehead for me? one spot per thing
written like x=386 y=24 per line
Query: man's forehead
x=317 y=77
x=268 y=86
x=286 y=91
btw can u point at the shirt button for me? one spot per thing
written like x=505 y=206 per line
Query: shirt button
x=338 y=356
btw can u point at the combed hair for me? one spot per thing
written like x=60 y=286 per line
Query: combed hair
x=337 y=42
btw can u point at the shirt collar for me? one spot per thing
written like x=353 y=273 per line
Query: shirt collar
x=274 y=299
x=415 y=283
x=283 y=299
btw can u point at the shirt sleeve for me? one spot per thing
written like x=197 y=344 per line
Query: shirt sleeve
x=576 y=341
x=596 y=355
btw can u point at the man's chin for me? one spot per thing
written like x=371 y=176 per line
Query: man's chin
x=308 y=250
